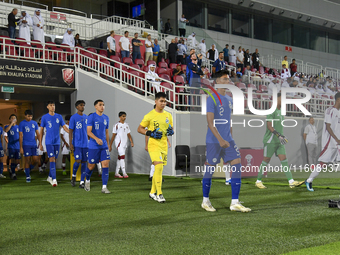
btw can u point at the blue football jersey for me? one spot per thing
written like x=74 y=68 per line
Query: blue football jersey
x=1 y=133
x=222 y=115
x=78 y=123
x=52 y=125
x=28 y=129
x=99 y=126
x=13 y=137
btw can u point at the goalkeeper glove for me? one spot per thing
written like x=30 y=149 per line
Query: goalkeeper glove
x=282 y=138
x=170 y=131
x=154 y=134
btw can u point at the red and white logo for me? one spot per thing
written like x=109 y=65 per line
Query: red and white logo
x=68 y=76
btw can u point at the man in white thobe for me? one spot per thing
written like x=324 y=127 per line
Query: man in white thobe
x=38 y=27
x=25 y=26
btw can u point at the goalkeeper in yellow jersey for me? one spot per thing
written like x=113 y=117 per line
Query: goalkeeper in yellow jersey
x=159 y=125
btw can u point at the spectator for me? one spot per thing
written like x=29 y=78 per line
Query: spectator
x=239 y=58
x=111 y=44
x=192 y=40
x=12 y=22
x=310 y=81
x=148 y=49
x=219 y=64
x=233 y=76
x=232 y=55
x=195 y=80
x=77 y=41
x=212 y=54
x=176 y=40
x=246 y=58
x=286 y=83
x=311 y=88
x=168 y=28
x=153 y=77
x=285 y=62
x=38 y=27
x=322 y=74
x=136 y=48
x=155 y=50
x=256 y=59
x=274 y=84
x=205 y=71
x=202 y=47
x=173 y=51
x=319 y=89
x=182 y=25
x=238 y=72
x=178 y=71
x=311 y=139
x=189 y=59
x=68 y=38
x=181 y=53
x=293 y=67
x=284 y=72
x=226 y=53
x=125 y=46
x=247 y=74
x=24 y=26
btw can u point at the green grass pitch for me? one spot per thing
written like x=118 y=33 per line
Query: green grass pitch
x=36 y=218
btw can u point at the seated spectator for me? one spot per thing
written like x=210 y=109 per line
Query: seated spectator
x=68 y=38
x=153 y=77
x=285 y=72
x=206 y=73
x=247 y=74
x=329 y=90
x=310 y=81
x=233 y=77
x=274 y=84
x=77 y=41
x=178 y=71
x=239 y=73
x=319 y=89
x=311 y=88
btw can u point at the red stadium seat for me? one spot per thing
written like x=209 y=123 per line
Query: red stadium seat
x=165 y=76
x=263 y=88
x=184 y=68
x=151 y=62
x=261 y=70
x=106 y=68
x=163 y=65
x=241 y=86
x=139 y=62
x=127 y=61
x=162 y=70
x=135 y=66
x=173 y=66
x=232 y=64
x=103 y=52
x=179 y=81
x=92 y=50
x=115 y=58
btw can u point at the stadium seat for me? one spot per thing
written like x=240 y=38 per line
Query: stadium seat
x=163 y=65
x=261 y=70
x=241 y=86
x=28 y=54
x=232 y=64
x=167 y=89
x=92 y=50
x=103 y=52
x=127 y=61
x=106 y=69
x=165 y=76
x=173 y=66
x=263 y=88
x=139 y=62
x=182 y=158
x=135 y=66
x=134 y=80
x=179 y=80
x=184 y=68
x=115 y=58
x=254 y=70
x=162 y=70
x=151 y=62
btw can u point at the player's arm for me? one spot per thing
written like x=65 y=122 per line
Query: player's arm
x=107 y=136
x=130 y=138
x=66 y=128
x=330 y=131
x=112 y=139
x=21 y=135
x=9 y=127
x=282 y=138
x=64 y=141
x=91 y=135
x=70 y=139
x=146 y=143
x=210 y=120
x=169 y=144
x=40 y=138
x=154 y=134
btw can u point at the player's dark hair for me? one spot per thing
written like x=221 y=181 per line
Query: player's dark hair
x=1 y=125
x=79 y=102
x=160 y=95
x=67 y=117
x=154 y=106
x=337 y=95
x=28 y=112
x=221 y=52
x=121 y=113
x=221 y=73
x=50 y=102
x=90 y=113
x=98 y=101
x=11 y=116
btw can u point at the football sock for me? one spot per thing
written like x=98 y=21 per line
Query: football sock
x=13 y=166
x=27 y=172
x=1 y=167
x=318 y=168
x=286 y=170
x=63 y=166
x=75 y=169
x=153 y=186
x=104 y=186
x=105 y=175
x=88 y=174
x=234 y=201
x=236 y=181
x=158 y=178
x=227 y=173
x=205 y=200
x=117 y=166
x=206 y=182
x=262 y=167
x=152 y=170
x=83 y=172
x=53 y=170
x=122 y=166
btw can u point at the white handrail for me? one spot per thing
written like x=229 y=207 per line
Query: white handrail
x=67 y=9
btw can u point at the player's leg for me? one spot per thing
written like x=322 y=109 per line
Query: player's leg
x=99 y=168
x=117 y=175
x=93 y=159
x=152 y=171
x=77 y=161
x=2 y=154
x=83 y=167
x=27 y=153
x=227 y=173
x=11 y=156
x=268 y=151
x=157 y=180
x=52 y=152
x=105 y=159
x=122 y=161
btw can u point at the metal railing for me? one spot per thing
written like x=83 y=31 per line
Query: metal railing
x=33 y=3
x=69 y=10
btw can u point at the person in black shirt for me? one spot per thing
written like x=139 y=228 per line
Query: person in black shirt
x=246 y=58
x=256 y=59
x=12 y=23
x=136 y=48
x=168 y=28
x=77 y=41
x=212 y=54
x=178 y=71
x=172 y=51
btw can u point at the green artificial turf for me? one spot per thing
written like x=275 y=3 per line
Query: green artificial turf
x=36 y=218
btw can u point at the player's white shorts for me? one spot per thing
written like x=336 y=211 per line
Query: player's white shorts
x=121 y=150
x=328 y=154
x=39 y=152
x=65 y=151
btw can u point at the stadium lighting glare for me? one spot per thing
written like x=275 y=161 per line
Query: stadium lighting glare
x=7 y=96
x=325 y=22
x=251 y=4
x=299 y=16
x=272 y=9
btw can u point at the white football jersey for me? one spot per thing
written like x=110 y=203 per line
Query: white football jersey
x=332 y=116
x=121 y=129
x=65 y=135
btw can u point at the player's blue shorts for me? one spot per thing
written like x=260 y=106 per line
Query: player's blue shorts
x=81 y=153
x=30 y=150
x=96 y=155
x=14 y=153
x=52 y=150
x=215 y=152
x=2 y=153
